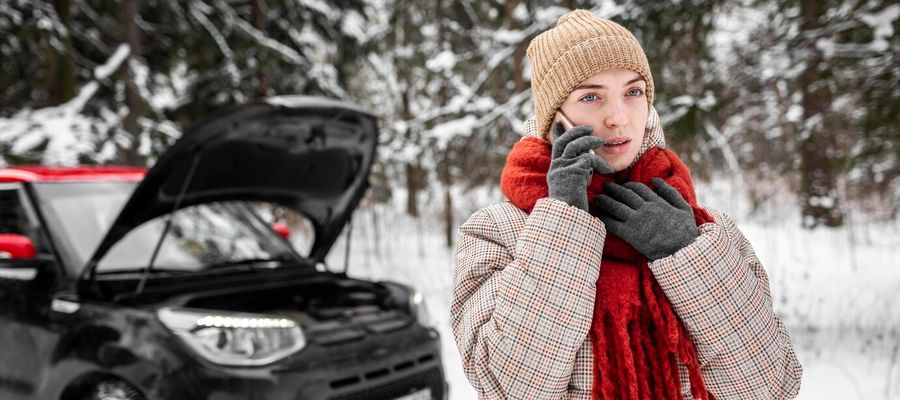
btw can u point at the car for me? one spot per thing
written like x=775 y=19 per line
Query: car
x=167 y=282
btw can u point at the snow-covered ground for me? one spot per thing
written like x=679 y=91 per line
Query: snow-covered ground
x=837 y=289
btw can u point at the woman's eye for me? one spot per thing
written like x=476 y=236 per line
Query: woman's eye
x=590 y=98
x=635 y=92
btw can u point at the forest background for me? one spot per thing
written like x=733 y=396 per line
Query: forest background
x=800 y=94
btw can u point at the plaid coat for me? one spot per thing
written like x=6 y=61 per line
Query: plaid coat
x=523 y=298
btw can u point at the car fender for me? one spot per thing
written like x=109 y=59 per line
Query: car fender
x=128 y=343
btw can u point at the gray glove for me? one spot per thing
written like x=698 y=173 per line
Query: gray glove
x=656 y=224
x=571 y=164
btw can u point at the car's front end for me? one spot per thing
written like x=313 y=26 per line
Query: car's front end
x=285 y=334
x=177 y=289
x=360 y=344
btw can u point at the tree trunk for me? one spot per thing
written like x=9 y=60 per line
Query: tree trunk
x=259 y=22
x=519 y=55
x=130 y=124
x=60 y=82
x=817 y=145
x=412 y=189
x=447 y=182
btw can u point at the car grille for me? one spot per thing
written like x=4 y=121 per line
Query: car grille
x=430 y=378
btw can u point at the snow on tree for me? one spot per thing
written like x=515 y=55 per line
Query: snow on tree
x=801 y=90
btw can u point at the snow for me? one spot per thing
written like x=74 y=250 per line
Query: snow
x=104 y=71
x=608 y=9
x=520 y=12
x=323 y=8
x=880 y=22
x=443 y=61
x=509 y=37
x=287 y=53
x=794 y=113
x=548 y=16
x=66 y=132
x=447 y=130
x=835 y=289
x=429 y=30
x=722 y=142
x=171 y=90
x=821 y=201
x=484 y=103
x=199 y=11
x=883 y=24
x=353 y=25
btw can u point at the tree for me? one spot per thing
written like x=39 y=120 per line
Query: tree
x=203 y=56
x=807 y=95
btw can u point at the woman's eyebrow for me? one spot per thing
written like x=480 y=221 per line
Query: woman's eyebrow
x=595 y=86
x=639 y=78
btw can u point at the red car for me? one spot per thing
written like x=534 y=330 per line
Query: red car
x=125 y=283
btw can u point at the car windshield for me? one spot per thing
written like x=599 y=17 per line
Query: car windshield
x=201 y=237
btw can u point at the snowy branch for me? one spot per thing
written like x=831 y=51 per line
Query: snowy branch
x=230 y=66
x=66 y=132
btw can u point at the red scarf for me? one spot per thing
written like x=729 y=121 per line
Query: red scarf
x=635 y=334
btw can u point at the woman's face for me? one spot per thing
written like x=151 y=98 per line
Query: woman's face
x=614 y=103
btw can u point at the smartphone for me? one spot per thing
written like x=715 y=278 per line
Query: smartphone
x=566 y=124
x=562 y=120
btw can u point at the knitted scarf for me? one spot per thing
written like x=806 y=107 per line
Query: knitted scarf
x=636 y=337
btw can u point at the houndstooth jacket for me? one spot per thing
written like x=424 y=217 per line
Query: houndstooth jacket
x=523 y=298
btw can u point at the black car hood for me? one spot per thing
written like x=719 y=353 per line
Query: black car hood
x=310 y=154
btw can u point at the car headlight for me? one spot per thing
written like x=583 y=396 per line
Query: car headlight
x=234 y=338
x=419 y=309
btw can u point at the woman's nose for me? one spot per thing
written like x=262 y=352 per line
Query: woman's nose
x=616 y=116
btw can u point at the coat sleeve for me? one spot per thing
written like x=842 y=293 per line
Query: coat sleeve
x=720 y=290
x=520 y=315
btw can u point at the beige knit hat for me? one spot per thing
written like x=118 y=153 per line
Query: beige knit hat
x=579 y=46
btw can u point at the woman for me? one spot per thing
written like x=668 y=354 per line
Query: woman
x=602 y=277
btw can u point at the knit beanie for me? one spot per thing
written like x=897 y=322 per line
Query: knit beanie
x=579 y=46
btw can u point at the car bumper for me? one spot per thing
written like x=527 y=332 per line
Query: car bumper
x=380 y=374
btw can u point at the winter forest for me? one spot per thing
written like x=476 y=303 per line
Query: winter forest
x=787 y=112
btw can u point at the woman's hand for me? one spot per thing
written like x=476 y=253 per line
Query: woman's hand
x=572 y=162
x=656 y=224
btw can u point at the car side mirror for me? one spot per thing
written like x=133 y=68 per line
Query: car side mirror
x=18 y=258
x=282 y=230
x=15 y=246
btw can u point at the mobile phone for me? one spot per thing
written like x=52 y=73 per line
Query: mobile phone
x=562 y=120
x=566 y=124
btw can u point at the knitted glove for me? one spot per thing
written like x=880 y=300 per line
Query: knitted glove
x=571 y=164
x=656 y=224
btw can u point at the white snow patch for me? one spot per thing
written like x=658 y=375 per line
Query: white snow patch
x=112 y=64
x=428 y=30
x=443 y=61
x=608 y=9
x=484 y=103
x=883 y=22
x=352 y=24
x=520 y=12
x=323 y=8
x=547 y=16
x=67 y=133
x=794 y=113
x=507 y=36
x=447 y=130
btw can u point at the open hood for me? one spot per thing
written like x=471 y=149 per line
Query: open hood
x=310 y=154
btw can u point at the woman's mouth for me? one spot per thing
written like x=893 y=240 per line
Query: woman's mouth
x=616 y=145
